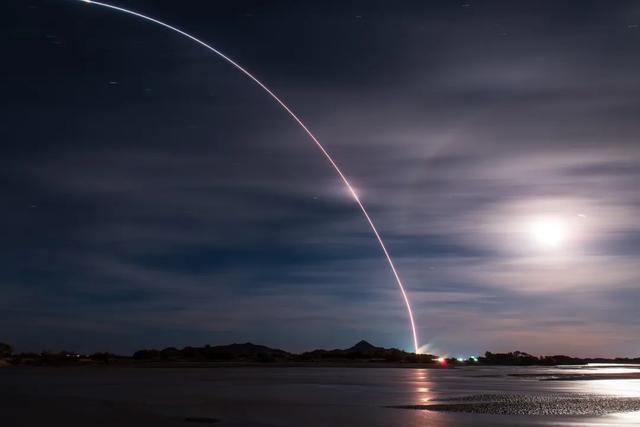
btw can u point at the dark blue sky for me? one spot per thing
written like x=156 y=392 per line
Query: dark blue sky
x=153 y=196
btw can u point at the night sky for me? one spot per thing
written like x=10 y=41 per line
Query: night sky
x=154 y=196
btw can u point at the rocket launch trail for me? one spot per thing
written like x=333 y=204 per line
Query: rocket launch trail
x=307 y=131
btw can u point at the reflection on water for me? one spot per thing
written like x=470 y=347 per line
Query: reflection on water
x=628 y=419
x=622 y=388
x=432 y=386
x=602 y=368
x=422 y=391
x=312 y=396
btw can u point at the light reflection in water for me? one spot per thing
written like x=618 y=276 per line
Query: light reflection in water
x=431 y=386
x=622 y=388
x=617 y=387
x=421 y=379
x=628 y=419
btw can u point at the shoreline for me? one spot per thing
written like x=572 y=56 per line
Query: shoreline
x=214 y=365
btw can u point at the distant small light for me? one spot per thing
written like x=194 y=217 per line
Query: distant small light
x=442 y=360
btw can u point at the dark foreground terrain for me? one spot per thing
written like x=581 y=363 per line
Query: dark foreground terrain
x=284 y=396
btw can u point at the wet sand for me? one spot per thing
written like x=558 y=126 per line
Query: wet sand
x=582 y=377
x=534 y=404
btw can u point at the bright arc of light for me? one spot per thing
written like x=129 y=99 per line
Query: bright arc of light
x=308 y=132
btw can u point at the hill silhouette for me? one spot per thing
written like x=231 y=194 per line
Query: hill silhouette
x=239 y=352
x=363 y=350
x=362 y=353
x=248 y=352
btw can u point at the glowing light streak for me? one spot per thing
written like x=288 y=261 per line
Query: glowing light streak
x=307 y=131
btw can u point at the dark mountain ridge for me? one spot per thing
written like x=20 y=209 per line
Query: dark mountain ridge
x=361 y=353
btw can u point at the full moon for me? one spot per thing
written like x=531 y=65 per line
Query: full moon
x=549 y=232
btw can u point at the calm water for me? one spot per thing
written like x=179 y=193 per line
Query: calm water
x=281 y=396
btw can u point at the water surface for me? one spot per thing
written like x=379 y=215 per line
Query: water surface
x=276 y=396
